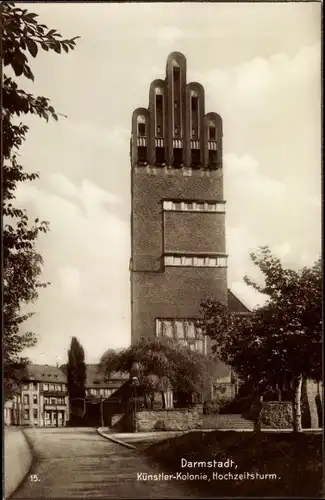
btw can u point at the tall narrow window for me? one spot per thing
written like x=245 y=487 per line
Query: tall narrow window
x=159 y=102
x=177 y=99
x=178 y=157
x=212 y=133
x=195 y=116
x=195 y=104
x=159 y=114
x=141 y=129
x=213 y=159
x=176 y=73
x=196 y=159
x=160 y=156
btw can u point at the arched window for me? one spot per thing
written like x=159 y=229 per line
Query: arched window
x=177 y=114
x=212 y=145
x=159 y=112
x=141 y=126
x=212 y=132
x=141 y=140
x=195 y=125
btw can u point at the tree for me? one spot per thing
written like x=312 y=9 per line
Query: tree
x=21 y=35
x=162 y=364
x=282 y=339
x=76 y=370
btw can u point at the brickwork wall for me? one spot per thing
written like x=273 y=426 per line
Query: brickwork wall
x=177 y=293
x=194 y=232
x=148 y=191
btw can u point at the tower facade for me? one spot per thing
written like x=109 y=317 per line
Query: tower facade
x=178 y=254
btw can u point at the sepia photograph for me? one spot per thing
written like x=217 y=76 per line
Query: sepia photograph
x=162 y=250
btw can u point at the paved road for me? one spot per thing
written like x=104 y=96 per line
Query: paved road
x=78 y=463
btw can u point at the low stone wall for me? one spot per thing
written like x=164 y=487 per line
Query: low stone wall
x=276 y=414
x=168 y=420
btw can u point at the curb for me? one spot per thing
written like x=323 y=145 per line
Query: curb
x=32 y=463
x=114 y=440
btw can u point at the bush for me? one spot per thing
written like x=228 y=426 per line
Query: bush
x=240 y=405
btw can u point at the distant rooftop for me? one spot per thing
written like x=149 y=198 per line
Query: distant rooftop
x=235 y=305
x=96 y=376
x=43 y=373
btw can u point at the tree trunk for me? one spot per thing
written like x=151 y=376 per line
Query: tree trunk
x=146 y=400
x=257 y=417
x=296 y=404
x=164 y=402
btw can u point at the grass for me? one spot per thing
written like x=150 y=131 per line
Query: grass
x=295 y=459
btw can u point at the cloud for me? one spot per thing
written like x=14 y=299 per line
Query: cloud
x=243 y=174
x=283 y=251
x=169 y=35
x=86 y=257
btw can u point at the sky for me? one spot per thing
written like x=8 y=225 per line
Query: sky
x=260 y=66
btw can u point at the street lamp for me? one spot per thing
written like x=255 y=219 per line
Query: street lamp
x=135 y=382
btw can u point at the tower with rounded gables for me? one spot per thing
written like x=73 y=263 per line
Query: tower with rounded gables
x=178 y=254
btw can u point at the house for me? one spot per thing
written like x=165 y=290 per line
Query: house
x=42 y=398
x=97 y=383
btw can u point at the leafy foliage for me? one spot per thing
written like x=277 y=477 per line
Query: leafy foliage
x=282 y=337
x=277 y=342
x=22 y=36
x=76 y=370
x=162 y=364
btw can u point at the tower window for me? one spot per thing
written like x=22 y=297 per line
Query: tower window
x=196 y=159
x=193 y=132
x=175 y=104
x=177 y=73
x=159 y=102
x=178 y=157
x=195 y=103
x=212 y=133
x=160 y=156
x=159 y=114
x=141 y=129
x=142 y=155
x=213 y=159
x=176 y=130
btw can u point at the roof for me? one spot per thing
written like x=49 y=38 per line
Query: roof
x=235 y=305
x=43 y=373
x=96 y=376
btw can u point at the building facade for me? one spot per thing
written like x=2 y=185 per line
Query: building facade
x=178 y=254
x=97 y=384
x=42 y=398
x=13 y=409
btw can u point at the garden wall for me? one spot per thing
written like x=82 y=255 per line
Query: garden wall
x=276 y=414
x=168 y=420
x=159 y=420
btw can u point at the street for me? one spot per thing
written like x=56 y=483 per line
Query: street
x=78 y=463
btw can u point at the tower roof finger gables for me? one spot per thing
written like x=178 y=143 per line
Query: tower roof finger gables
x=178 y=212
x=174 y=130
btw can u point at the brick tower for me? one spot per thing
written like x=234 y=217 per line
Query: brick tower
x=178 y=210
